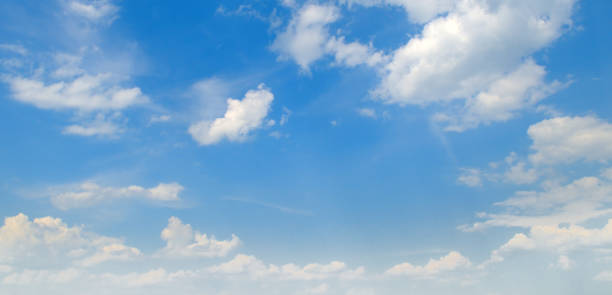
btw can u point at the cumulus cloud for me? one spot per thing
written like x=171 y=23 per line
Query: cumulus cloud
x=49 y=240
x=89 y=193
x=30 y=276
x=461 y=54
x=183 y=241
x=307 y=39
x=249 y=265
x=241 y=118
x=367 y=112
x=451 y=262
x=571 y=139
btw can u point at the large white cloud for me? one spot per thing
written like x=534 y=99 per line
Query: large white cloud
x=570 y=139
x=183 y=241
x=89 y=193
x=459 y=55
x=240 y=118
x=49 y=241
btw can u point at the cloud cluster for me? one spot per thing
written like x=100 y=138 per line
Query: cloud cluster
x=49 y=241
x=476 y=53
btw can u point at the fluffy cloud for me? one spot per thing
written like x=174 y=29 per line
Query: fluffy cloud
x=463 y=53
x=502 y=99
x=183 y=241
x=570 y=139
x=85 y=93
x=241 y=117
x=49 y=240
x=89 y=193
x=306 y=35
x=251 y=266
x=307 y=39
x=451 y=262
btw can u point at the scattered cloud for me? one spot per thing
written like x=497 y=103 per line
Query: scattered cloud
x=241 y=118
x=88 y=194
x=50 y=241
x=451 y=262
x=183 y=241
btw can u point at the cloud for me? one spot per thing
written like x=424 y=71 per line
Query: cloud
x=88 y=194
x=183 y=241
x=241 y=118
x=571 y=139
x=95 y=11
x=50 y=241
x=85 y=93
x=255 y=268
x=306 y=35
x=307 y=39
x=503 y=99
x=15 y=48
x=451 y=262
x=470 y=177
x=367 y=112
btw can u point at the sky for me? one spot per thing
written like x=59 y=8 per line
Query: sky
x=352 y=147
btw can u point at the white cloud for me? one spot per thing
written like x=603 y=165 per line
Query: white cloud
x=503 y=99
x=159 y=119
x=149 y=278
x=85 y=93
x=305 y=37
x=354 y=53
x=89 y=193
x=451 y=262
x=571 y=139
x=241 y=117
x=95 y=10
x=49 y=240
x=183 y=241
x=461 y=54
x=470 y=177
x=101 y=125
x=16 y=48
x=367 y=112
x=255 y=268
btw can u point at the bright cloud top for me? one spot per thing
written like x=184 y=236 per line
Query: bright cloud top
x=241 y=118
x=451 y=262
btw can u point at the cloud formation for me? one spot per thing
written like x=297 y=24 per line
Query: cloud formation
x=240 y=118
x=183 y=241
x=88 y=194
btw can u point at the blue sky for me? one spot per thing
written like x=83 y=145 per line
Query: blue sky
x=306 y=147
